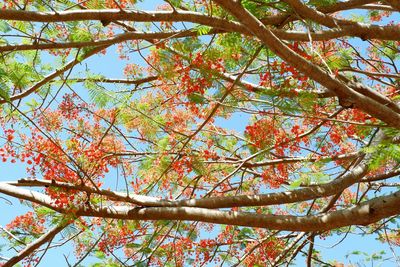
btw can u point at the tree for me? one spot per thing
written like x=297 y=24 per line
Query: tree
x=277 y=120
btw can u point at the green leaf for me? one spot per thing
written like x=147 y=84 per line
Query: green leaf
x=100 y=254
x=176 y=3
x=196 y=98
x=80 y=35
x=140 y=264
x=4 y=27
x=163 y=222
x=41 y=211
x=296 y=183
x=4 y=94
x=146 y=250
x=133 y=245
x=202 y=29
x=33 y=104
x=99 y=95
x=163 y=143
x=245 y=233
x=320 y=3
x=95 y=4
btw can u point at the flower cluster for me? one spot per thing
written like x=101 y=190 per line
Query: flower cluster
x=31 y=223
x=265 y=132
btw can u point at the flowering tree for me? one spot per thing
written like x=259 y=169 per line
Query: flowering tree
x=238 y=133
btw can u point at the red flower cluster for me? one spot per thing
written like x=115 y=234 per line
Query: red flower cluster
x=210 y=155
x=30 y=222
x=266 y=253
x=275 y=176
x=265 y=132
x=182 y=166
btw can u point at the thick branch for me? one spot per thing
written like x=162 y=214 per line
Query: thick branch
x=314 y=15
x=364 y=32
x=279 y=19
x=351 y=27
x=293 y=196
x=365 y=213
x=30 y=248
x=9 y=188
x=121 y=15
x=113 y=40
x=31 y=196
x=394 y=3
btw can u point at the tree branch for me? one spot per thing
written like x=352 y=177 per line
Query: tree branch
x=53 y=75
x=30 y=248
x=118 y=15
x=347 y=96
x=363 y=214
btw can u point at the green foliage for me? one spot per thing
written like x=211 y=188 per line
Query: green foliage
x=385 y=151
x=184 y=46
x=339 y=60
x=4 y=90
x=100 y=254
x=230 y=41
x=133 y=245
x=202 y=29
x=4 y=94
x=296 y=183
x=15 y=75
x=83 y=53
x=99 y=95
x=108 y=263
x=314 y=177
x=4 y=27
x=321 y=3
x=176 y=3
x=196 y=98
x=62 y=4
x=21 y=26
x=246 y=233
x=147 y=163
x=198 y=166
x=96 y=4
x=71 y=230
x=376 y=258
x=43 y=211
x=80 y=35
x=260 y=9
x=163 y=143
